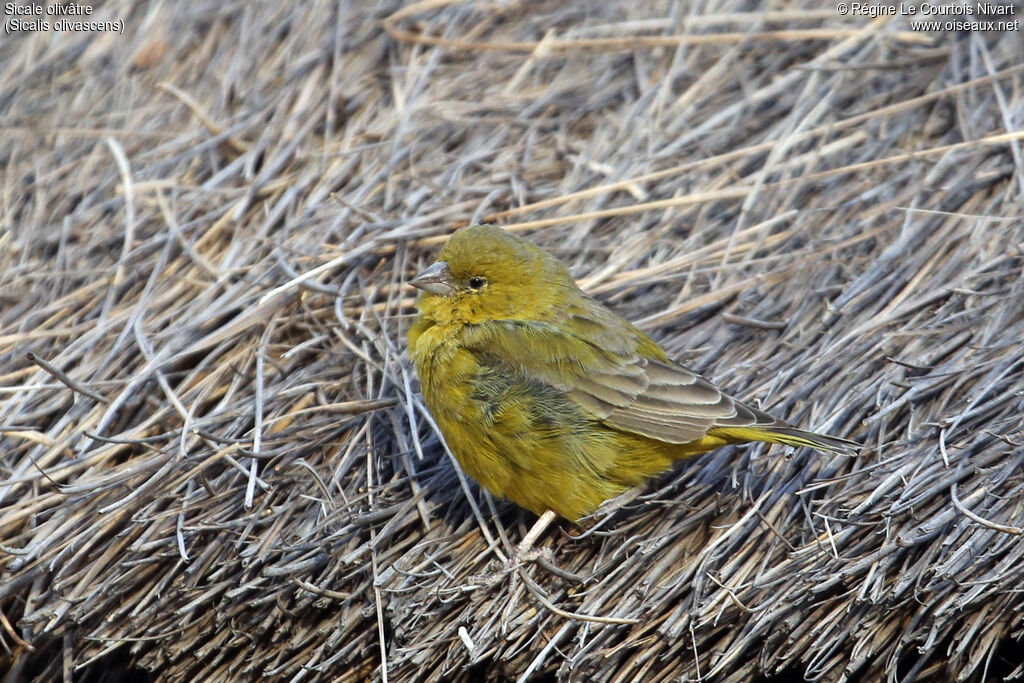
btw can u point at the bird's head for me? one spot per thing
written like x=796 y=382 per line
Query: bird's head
x=484 y=273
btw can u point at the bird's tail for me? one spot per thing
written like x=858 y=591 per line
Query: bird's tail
x=789 y=436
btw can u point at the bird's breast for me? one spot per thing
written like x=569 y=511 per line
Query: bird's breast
x=446 y=370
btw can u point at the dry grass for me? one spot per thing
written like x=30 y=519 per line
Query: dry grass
x=216 y=464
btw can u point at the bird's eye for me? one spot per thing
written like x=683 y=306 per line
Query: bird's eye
x=476 y=282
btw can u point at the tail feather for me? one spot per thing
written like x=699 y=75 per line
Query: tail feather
x=790 y=436
x=822 y=442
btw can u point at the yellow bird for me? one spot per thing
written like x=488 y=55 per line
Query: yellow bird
x=550 y=399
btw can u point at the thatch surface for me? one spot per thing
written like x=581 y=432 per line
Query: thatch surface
x=821 y=213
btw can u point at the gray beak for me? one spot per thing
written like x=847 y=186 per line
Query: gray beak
x=435 y=279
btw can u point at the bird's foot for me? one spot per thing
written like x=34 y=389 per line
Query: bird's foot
x=525 y=553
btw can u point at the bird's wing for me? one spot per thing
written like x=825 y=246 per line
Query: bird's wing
x=676 y=406
x=599 y=366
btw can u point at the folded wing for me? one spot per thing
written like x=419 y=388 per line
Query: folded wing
x=597 y=360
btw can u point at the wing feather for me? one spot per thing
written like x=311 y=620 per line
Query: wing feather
x=601 y=366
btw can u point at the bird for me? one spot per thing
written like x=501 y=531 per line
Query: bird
x=550 y=399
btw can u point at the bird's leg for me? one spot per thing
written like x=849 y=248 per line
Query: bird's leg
x=525 y=547
x=525 y=553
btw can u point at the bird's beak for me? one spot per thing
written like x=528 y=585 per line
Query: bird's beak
x=436 y=279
